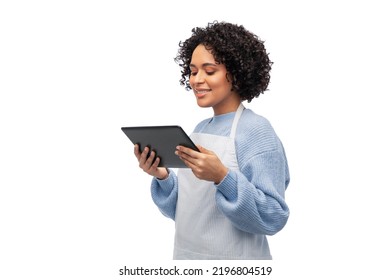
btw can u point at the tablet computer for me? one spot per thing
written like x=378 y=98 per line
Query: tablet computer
x=163 y=140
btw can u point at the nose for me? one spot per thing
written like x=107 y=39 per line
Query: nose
x=199 y=78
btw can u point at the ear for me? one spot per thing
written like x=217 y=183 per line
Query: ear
x=229 y=77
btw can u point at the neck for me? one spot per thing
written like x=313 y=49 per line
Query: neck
x=228 y=106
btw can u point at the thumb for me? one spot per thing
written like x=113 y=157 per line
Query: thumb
x=203 y=150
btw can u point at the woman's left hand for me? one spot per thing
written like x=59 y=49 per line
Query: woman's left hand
x=205 y=165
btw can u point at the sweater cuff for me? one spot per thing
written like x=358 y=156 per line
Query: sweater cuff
x=228 y=186
x=166 y=184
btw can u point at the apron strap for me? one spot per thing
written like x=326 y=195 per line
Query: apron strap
x=237 y=116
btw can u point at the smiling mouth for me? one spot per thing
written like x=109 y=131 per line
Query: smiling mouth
x=202 y=91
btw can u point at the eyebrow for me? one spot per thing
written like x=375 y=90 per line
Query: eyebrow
x=204 y=64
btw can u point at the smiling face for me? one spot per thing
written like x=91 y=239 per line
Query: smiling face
x=210 y=83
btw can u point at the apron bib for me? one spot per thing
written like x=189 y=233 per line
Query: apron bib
x=202 y=230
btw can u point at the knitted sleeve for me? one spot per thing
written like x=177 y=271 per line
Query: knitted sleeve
x=164 y=194
x=252 y=198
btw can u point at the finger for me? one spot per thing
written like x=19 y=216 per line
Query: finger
x=187 y=163
x=188 y=151
x=193 y=168
x=203 y=150
x=155 y=164
x=143 y=156
x=149 y=160
x=136 y=151
x=185 y=157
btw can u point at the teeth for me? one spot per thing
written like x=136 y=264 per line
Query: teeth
x=202 y=91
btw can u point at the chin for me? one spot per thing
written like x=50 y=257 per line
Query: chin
x=203 y=105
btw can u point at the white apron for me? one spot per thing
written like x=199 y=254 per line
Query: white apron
x=202 y=231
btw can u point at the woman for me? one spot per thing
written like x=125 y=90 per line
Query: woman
x=232 y=194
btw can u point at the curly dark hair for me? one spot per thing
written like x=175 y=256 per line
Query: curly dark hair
x=241 y=51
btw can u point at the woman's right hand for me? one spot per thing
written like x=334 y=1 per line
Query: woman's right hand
x=150 y=164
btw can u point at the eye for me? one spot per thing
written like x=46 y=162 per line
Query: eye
x=193 y=73
x=210 y=73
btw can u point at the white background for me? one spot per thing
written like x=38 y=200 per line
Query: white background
x=74 y=204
